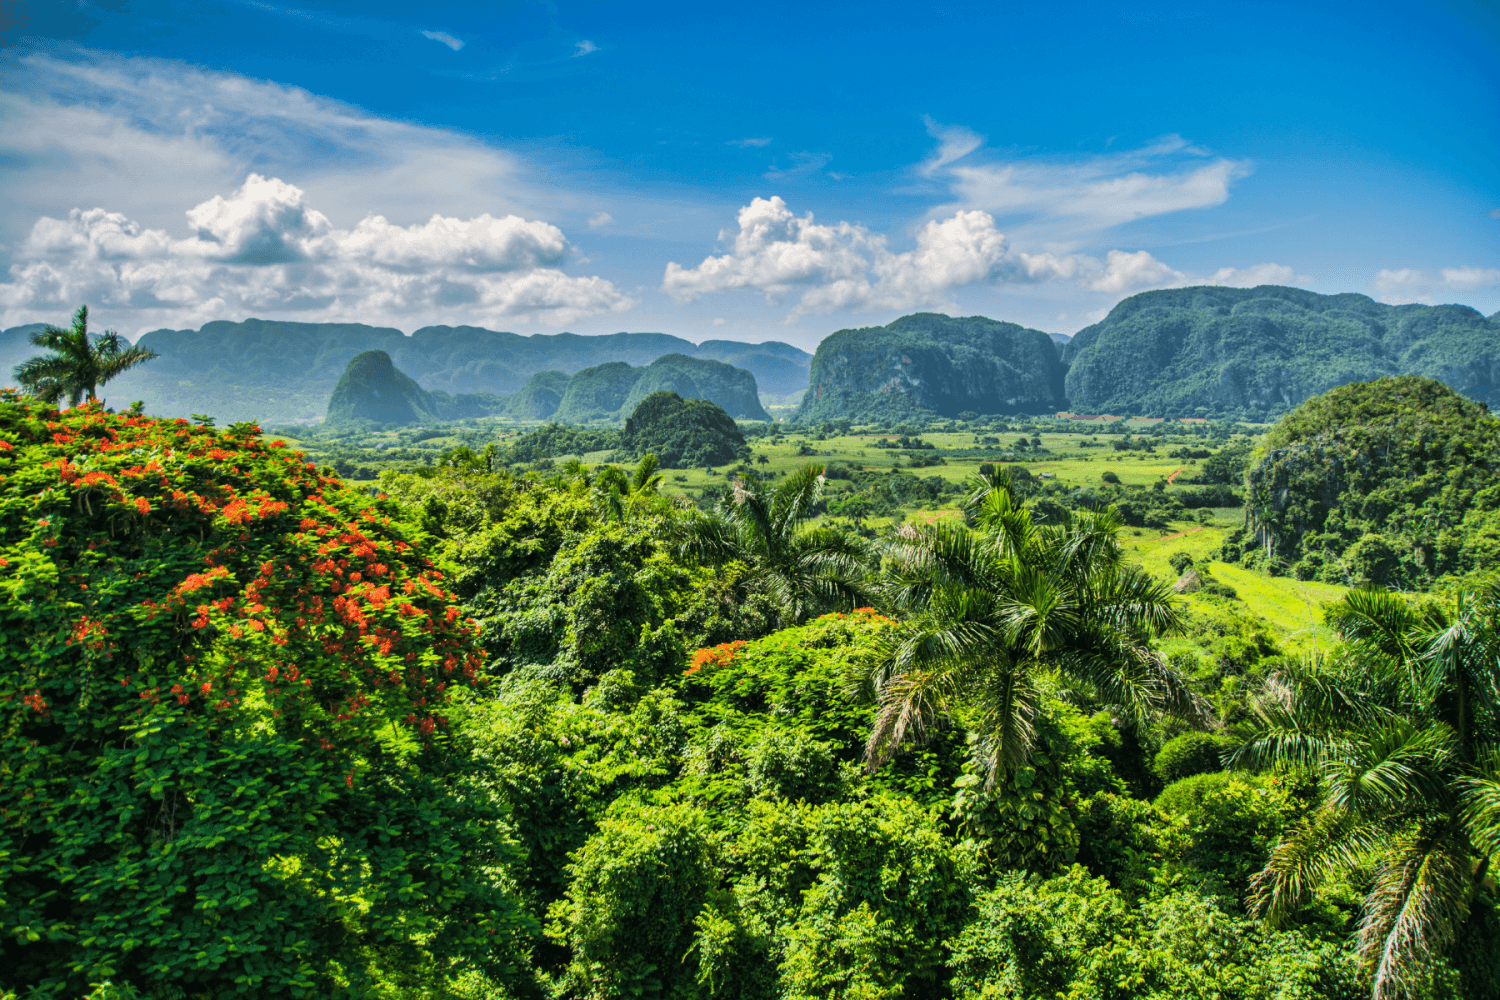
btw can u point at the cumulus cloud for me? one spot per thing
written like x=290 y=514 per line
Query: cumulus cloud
x=846 y=266
x=584 y=48
x=443 y=38
x=264 y=251
x=1396 y=286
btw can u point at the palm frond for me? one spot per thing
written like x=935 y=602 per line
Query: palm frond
x=1377 y=617
x=1420 y=896
x=1321 y=846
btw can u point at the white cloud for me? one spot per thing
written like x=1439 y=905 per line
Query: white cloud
x=147 y=137
x=1396 y=286
x=600 y=219
x=584 y=48
x=1064 y=204
x=264 y=251
x=954 y=143
x=1124 y=272
x=846 y=266
x=802 y=163
x=748 y=143
x=444 y=38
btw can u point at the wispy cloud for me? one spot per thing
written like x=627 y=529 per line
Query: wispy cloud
x=601 y=219
x=444 y=38
x=1066 y=204
x=130 y=144
x=584 y=47
x=749 y=143
x=802 y=163
x=954 y=143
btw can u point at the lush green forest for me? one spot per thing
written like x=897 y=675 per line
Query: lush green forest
x=930 y=364
x=1255 y=353
x=1393 y=482
x=877 y=711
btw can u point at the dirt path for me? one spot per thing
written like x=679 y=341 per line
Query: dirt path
x=1168 y=538
x=1174 y=475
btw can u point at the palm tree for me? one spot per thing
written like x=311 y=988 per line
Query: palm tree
x=1400 y=726
x=81 y=362
x=622 y=497
x=764 y=527
x=1001 y=605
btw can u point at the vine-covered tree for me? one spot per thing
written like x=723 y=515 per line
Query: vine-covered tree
x=80 y=363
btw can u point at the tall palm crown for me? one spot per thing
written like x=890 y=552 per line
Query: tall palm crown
x=1400 y=726
x=1003 y=605
x=764 y=527
x=80 y=364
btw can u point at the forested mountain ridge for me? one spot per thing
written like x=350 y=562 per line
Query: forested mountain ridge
x=283 y=371
x=1257 y=352
x=372 y=391
x=933 y=364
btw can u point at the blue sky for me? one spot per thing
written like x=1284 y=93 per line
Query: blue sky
x=599 y=167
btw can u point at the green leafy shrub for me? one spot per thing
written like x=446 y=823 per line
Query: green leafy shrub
x=226 y=757
x=1189 y=754
x=637 y=888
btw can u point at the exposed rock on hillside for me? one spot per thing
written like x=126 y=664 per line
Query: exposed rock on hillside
x=933 y=364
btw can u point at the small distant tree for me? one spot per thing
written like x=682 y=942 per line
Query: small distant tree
x=80 y=364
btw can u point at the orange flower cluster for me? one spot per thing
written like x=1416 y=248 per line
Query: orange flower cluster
x=264 y=575
x=715 y=656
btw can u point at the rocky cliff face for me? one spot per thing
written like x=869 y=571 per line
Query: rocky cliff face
x=935 y=365
x=372 y=389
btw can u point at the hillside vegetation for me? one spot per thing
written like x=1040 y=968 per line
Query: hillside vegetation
x=1395 y=481
x=928 y=364
x=1254 y=353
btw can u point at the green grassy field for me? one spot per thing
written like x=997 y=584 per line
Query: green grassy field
x=1072 y=455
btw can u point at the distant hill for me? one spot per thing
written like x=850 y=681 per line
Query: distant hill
x=1258 y=352
x=372 y=390
x=930 y=364
x=612 y=391
x=683 y=433
x=283 y=372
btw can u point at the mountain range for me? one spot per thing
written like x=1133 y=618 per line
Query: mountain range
x=1240 y=353
x=285 y=372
